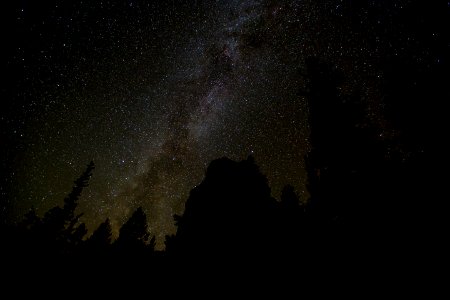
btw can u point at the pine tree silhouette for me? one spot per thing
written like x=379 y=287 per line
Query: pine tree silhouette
x=59 y=232
x=134 y=236
x=229 y=216
x=101 y=238
x=61 y=228
x=354 y=182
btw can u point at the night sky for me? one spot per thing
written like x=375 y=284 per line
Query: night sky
x=152 y=92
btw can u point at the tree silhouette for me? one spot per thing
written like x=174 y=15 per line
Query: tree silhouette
x=359 y=181
x=134 y=236
x=59 y=232
x=53 y=242
x=100 y=240
x=61 y=225
x=102 y=235
x=229 y=215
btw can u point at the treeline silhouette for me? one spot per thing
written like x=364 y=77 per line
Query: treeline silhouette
x=366 y=196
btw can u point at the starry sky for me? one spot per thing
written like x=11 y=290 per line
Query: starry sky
x=152 y=91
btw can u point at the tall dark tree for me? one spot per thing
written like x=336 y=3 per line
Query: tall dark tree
x=97 y=248
x=42 y=242
x=231 y=213
x=59 y=231
x=345 y=167
x=359 y=180
x=134 y=235
x=61 y=225
x=101 y=238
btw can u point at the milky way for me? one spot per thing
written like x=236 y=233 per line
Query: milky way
x=154 y=92
x=204 y=104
